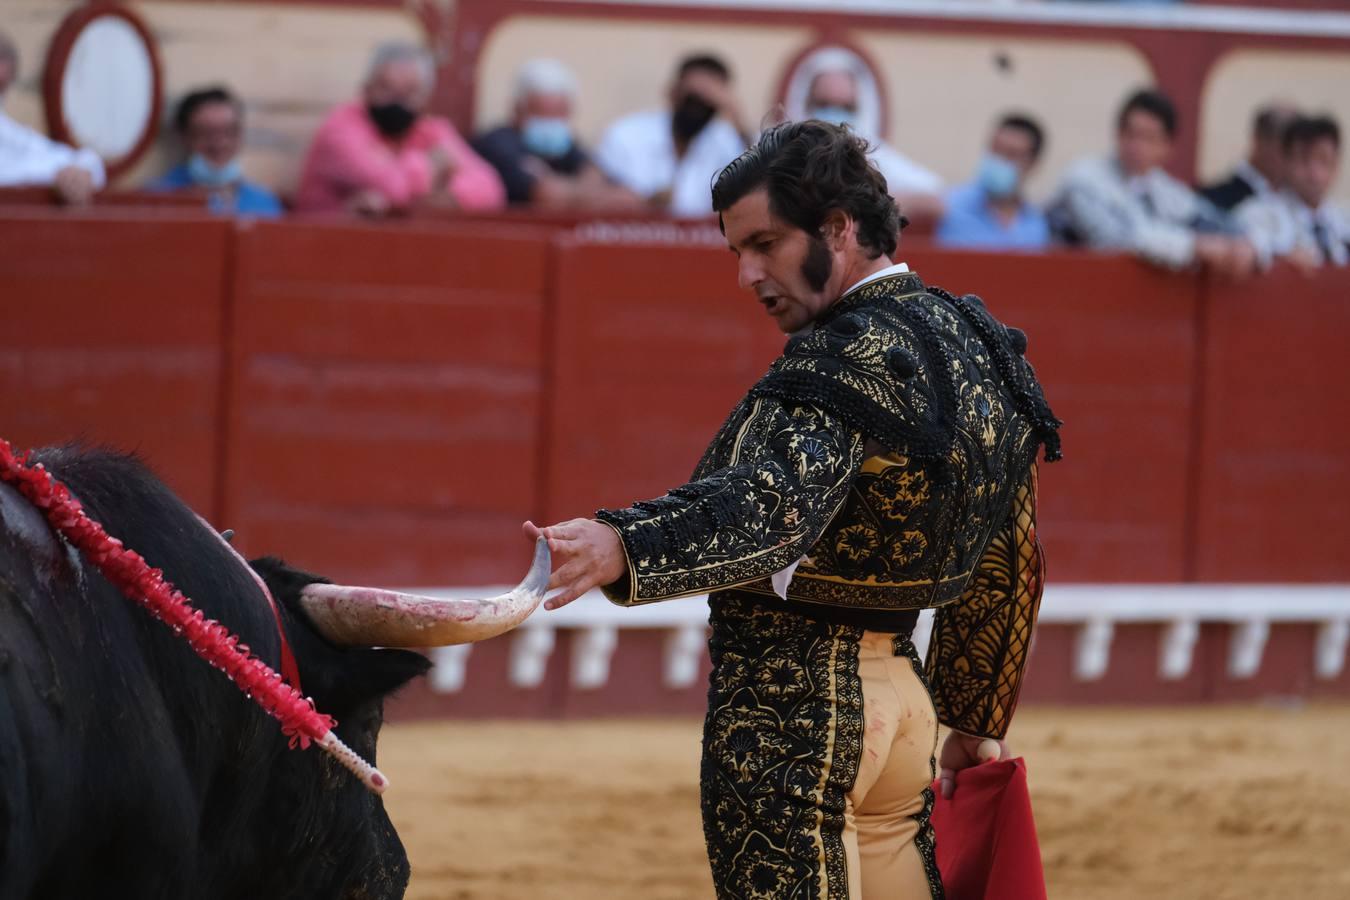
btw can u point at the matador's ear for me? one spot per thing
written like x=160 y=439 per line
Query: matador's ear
x=833 y=229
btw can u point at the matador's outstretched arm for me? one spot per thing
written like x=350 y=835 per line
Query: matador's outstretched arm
x=791 y=469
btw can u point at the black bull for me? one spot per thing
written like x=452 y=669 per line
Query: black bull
x=128 y=767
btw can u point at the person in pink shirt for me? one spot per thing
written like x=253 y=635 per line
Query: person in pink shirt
x=384 y=153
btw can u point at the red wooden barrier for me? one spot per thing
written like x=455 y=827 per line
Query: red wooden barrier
x=143 y=201
x=654 y=345
x=635 y=686
x=112 y=332
x=1274 y=476
x=1113 y=342
x=389 y=417
x=385 y=402
x=1132 y=674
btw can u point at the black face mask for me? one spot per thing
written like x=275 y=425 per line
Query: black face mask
x=691 y=116
x=392 y=119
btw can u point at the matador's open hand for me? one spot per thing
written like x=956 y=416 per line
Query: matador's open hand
x=586 y=554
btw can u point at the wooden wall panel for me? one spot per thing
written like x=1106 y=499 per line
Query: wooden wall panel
x=112 y=333
x=1274 y=472
x=385 y=401
x=654 y=346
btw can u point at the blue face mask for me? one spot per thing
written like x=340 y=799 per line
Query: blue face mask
x=997 y=176
x=208 y=175
x=549 y=138
x=835 y=115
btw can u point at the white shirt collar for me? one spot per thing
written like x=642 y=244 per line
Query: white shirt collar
x=896 y=269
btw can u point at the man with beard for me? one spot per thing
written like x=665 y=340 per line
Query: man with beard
x=385 y=153
x=884 y=464
x=667 y=157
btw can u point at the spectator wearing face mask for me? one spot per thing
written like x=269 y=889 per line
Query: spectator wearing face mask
x=386 y=153
x=1299 y=223
x=669 y=157
x=834 y=98
x=991 y=212
x=537 y=154
x=210 y=123
x=30 y=159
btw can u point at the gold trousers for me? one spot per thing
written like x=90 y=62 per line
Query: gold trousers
x=891 y=798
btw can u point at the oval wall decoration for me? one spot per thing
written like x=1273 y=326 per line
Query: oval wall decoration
x=102 y=85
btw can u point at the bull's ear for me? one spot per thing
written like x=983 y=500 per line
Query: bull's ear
x=374 y=674
x=285 y=582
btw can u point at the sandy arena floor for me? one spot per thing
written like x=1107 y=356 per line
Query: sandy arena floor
x=1233 y=803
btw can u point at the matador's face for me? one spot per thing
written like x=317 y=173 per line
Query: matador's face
x=790 y=271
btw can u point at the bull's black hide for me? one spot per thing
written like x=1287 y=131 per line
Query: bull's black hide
x=129 y=768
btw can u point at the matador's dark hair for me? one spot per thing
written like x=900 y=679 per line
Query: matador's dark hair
x=811 y=169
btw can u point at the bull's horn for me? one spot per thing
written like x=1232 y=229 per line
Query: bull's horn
x=369 y=617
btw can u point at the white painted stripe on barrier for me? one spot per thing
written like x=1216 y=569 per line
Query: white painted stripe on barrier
x=1246 y=644
x=1250 y=608
x=1092 y=650
x=1332 y=637
x=1178 y=648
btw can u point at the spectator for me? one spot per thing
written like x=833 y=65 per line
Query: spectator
x=833 y=97
x=1127 y=202
x=29 y=159
x=537 y=154
x=669 y=157
x=990 y=212
x=386 y=153
x=210 y=123
x=1259 y=173
x=1298 y=222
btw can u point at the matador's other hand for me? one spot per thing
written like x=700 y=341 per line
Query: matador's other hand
x=961 y=751
x=586 y=554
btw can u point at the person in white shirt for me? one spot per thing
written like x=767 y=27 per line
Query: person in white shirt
x=670 y=156
x=28 y=158
x=1299 y=223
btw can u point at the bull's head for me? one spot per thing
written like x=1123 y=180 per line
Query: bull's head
x=342 y=637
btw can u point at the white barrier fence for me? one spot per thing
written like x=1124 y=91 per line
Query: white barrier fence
x=595 y=625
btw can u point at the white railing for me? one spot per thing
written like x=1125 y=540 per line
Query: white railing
x=594 y=626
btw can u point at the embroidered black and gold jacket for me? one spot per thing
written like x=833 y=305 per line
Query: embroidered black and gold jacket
x=890 y=454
